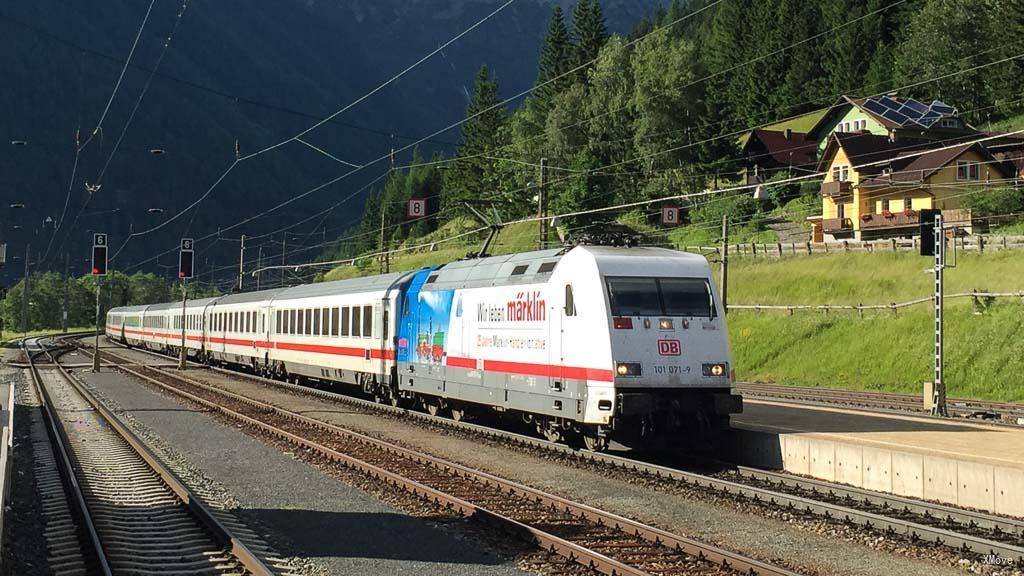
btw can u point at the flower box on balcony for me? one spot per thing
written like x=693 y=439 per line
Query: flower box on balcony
x=887 y=214
x=865 y=218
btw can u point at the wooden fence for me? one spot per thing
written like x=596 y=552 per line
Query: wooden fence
x=978 y=297
x=979 y=243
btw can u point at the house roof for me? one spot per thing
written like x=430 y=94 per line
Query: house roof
x=866 y=148
x=907 y=168
x=797 y=149
x=890 y=120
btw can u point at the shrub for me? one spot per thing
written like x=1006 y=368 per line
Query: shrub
x=995 y=202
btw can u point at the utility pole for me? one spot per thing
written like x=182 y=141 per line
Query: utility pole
x=385 y=264
x=96 y=337
x=184 y=298
x=241 y=263
x=724 y=288
x=939 y=385
x=25 y=293
x=542 y=206
x=284 y=253
x=259 y=267
x=64 y=301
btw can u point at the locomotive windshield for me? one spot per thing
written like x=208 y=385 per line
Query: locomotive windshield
x=660 y=297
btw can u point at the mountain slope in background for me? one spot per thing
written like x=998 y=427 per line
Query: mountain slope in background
x=251 y=71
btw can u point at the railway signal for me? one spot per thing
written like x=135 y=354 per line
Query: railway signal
x=927 y=230
x=99 y=254
x=186 y=259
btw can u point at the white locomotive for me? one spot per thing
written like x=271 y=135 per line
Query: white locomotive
x=590 y=344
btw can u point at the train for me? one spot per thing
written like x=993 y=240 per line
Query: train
x=588 y=345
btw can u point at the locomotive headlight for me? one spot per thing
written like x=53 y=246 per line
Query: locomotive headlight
x=715 y=370
x=627 y=368
x=665 y=324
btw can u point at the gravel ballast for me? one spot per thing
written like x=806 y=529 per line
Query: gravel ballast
x=331 y=527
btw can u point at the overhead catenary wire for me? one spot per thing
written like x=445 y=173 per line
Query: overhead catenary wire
x=323 y=121
x=124 y=129
x=335 y=180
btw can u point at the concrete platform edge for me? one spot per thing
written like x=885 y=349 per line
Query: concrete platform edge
x=964 y=483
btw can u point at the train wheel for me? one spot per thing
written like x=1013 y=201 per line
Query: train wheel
x=458 y=413
x=433 y=406
x=595 y=443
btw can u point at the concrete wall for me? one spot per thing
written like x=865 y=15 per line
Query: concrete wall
x=979 y=485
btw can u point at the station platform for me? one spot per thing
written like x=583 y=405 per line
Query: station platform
x=969 y=464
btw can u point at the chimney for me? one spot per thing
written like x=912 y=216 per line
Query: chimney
x=788 y=133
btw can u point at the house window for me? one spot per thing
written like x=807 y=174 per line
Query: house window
x=949 y=123
x=885 y=204
x=841 y=211
x=968 y=170
x=841 y=173
x=908 y=204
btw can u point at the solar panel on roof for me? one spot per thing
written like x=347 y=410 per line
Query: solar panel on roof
x=929 y=119
x=942 y=107
x=896 y=117
x=873 y=106
x=889 y=103
x=916 y=106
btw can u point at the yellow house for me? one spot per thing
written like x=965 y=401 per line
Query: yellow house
x=874 y=186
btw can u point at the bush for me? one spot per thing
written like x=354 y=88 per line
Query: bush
x=740 y=208
x=995 y=202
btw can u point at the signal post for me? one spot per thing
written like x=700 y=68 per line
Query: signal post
x=186 y=259
x=99 y=270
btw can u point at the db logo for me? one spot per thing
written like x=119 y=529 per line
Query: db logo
x=669 y=348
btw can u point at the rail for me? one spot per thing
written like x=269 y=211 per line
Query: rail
x=885 y=512
x=481 y=486
x=194 y=505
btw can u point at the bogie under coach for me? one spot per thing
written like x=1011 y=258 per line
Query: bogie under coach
x=589 y=344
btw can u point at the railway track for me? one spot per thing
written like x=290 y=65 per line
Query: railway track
x=129 y=513
x=993 y=412
x=588 y=536
x=963 y=530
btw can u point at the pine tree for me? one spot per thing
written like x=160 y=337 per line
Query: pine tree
x=554 y=61
x=472 y=175
x=589 y=30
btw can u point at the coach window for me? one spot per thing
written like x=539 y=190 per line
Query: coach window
x=335 y=319
x=316 y=322
x=300 y=328
x=248 y=322
x=277 y=325
x=346 y=316
x=293 y=321
x=309 y=321
x=325 y=321
x=570 y=302
x=356 y=321
x=367 y=321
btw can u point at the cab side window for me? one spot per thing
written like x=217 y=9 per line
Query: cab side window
x=570 y=301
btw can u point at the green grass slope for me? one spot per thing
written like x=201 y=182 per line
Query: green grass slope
x=984 y=351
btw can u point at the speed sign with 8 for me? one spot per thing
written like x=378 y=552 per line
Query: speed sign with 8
x=417 y=208
x=670 y=215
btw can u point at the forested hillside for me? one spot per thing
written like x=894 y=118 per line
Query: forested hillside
x=252 y=71
x=661 y=109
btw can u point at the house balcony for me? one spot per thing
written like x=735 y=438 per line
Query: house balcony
x=911 y=219
x=837 y=190
x=836 y=225
x=890 y=220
